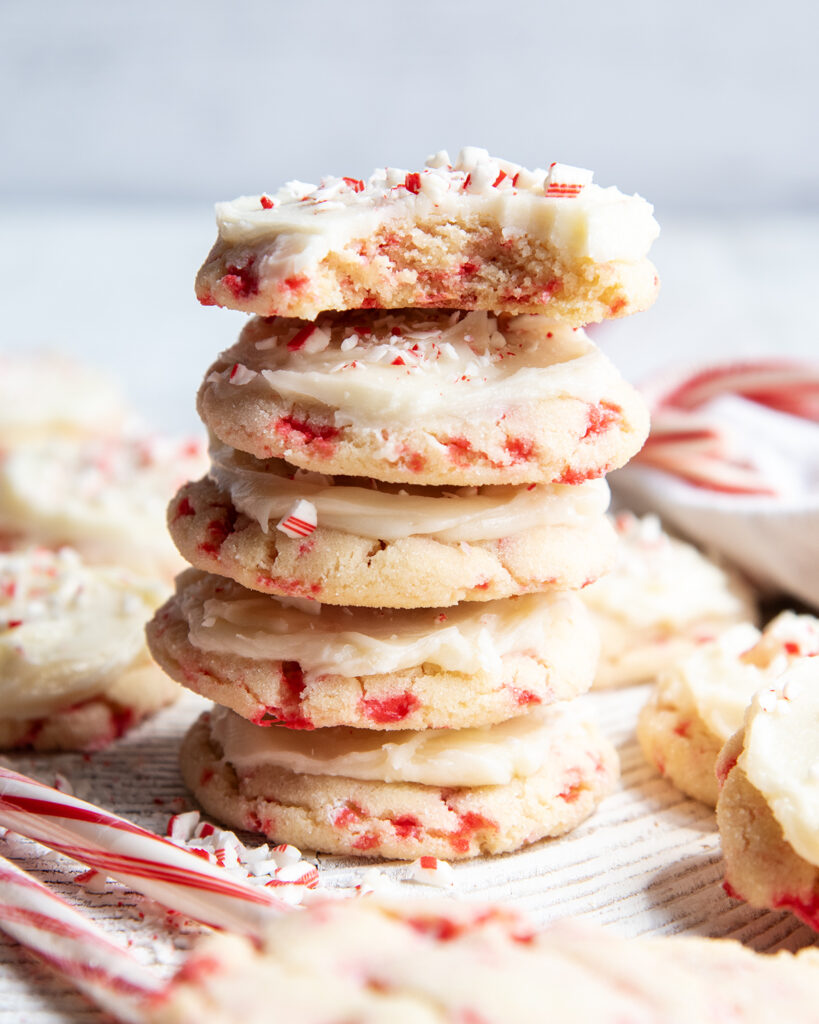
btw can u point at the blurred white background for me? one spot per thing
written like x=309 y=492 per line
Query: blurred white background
x=122 y=123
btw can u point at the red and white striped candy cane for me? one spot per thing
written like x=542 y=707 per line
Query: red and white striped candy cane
x=141 y=860
x=55 y=932
x=686 y=442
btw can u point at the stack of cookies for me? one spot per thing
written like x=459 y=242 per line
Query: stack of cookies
x=405 y=495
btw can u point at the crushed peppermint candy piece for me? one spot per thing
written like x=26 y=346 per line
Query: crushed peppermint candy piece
x=563 y=181
x=300 y=521
x=432 y=871
x=240 y=374
x=280 y=866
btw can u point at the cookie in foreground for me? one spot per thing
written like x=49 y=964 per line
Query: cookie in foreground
x=434 y=962
x=449 y=793
x=479 y=233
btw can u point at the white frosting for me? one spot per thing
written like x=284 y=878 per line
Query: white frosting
x=389 y=512
x=469 y=638
x=430 y=368
x=306 y=221
x=781 y=754
x=106 y=496
x=67 y=630
x=492 y=755
x=718 y=680
x=50 y=394
x=660 y=581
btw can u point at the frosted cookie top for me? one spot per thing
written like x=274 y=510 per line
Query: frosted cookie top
x=719 y=679
x=478 y=756
x=661 y=582
x=268 y=490
x=781 y=753
x=482 y=226
x=67 y=630
x=662 y=598
x=224 y=617
x=50 y=395
x=437 y=961
x=106 y=497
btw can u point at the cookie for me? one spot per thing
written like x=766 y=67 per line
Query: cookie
x=381 y=546
x=425 y=396
x=699 y=703
x=105 y=497
x=661 y=600
x=768 y=807
x=74 y=669
x=482 y=234
x=447 y=793
x=310 y=666
x=436 y=961
x=49 y=396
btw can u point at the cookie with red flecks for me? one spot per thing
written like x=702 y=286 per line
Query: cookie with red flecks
x=699 y=702
x=103 y=496
x=447 y=793
x=425 y=396
x=477 y=234
x=308 y=665
x=442 y=960
x=349 y=541
x=768 y=807
x=662 y=599
x=74 y=670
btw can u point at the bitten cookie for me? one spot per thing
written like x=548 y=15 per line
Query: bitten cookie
x=307 y=666
x=425 y=396
x=105 y=497
x=700 y=702
x=482 y=234
x=444 y=793
x=661 y=600
x=437 y=962
x=768 y=808
x=74 y=669
x=340 y=541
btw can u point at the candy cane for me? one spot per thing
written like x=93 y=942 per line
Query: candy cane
x=685 y=442
x=55 y=932
x=141 y=860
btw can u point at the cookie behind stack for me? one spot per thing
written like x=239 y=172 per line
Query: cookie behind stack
x=374 y=466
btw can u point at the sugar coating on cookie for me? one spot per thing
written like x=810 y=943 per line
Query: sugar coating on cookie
x=307 y=665
x=662 y=598
x=768 y=809
x=51 y=396
x=442 y=793
x=436 y=961
x=106 y=497
x=479 y=233
x=74 y=668
x=386 y=546
x=425 y=396
x=699 y=702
